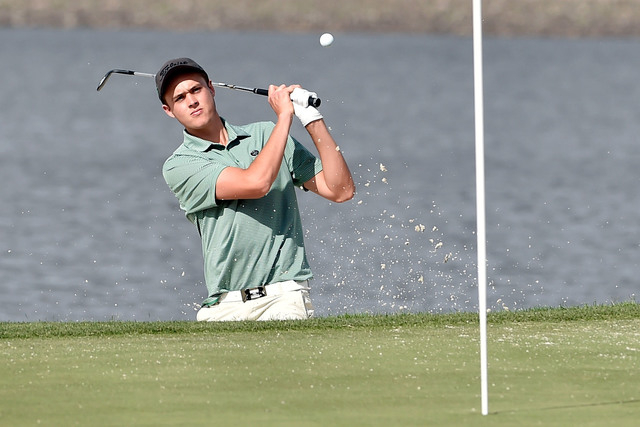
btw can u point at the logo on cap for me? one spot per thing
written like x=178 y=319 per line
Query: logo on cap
x=171 y=65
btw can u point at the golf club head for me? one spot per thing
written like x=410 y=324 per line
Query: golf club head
x=106 y=76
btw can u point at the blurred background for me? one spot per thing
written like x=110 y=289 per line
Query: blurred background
x=90 y=231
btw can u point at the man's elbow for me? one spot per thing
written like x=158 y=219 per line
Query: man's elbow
x=251 y=189
x=259 y=189
x=345 y=195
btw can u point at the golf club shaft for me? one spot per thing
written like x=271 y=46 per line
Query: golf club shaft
x=313 y=101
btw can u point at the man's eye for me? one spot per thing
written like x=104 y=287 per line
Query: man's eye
x=196 y=90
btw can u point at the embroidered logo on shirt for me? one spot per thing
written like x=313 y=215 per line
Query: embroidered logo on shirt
x=255 y=153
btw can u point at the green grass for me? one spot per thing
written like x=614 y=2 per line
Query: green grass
x=565 y=366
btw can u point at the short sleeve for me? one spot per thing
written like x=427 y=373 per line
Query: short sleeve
x=193 y=180
x=302 y=163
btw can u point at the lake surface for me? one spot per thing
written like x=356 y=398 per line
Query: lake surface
x=90 y=230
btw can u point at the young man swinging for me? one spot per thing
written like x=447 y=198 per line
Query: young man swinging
x=237 y=185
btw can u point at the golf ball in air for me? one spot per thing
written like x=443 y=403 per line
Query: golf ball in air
x=326 y=39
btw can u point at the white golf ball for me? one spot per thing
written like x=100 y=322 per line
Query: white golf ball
x=326 y=39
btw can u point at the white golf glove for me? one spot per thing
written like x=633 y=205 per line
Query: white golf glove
x=301 y=107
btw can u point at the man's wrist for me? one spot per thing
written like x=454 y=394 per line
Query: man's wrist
x=285 y=117
x=314 y=124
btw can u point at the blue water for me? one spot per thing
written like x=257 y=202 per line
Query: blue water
x=91 y=232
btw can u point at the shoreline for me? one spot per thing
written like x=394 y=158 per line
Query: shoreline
x=628 y=310
x=540 y=18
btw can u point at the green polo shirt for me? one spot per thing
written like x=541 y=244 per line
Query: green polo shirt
x=245 y=243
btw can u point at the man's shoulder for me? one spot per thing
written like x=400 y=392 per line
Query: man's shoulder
x=182 y=149
x=250 y=128
x=180 y=154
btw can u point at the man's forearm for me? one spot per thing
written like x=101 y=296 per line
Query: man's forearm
x=267 y=164
x=335 y=170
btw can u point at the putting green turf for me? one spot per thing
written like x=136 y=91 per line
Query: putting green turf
x=546 y=367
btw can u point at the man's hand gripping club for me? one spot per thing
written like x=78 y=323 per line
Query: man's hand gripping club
x=305 y=112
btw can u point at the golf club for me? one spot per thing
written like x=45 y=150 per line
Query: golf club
x=313 y=101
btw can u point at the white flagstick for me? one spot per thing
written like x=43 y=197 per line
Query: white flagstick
x=480 y=199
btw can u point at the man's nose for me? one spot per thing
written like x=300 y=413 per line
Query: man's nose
x=192 y=100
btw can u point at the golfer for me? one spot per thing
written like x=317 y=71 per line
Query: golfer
x=237 y=184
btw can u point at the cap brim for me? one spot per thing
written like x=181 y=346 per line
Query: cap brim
x=176 y=71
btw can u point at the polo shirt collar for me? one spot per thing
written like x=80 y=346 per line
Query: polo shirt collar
x=235 y=133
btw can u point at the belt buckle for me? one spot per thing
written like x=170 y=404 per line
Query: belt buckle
x=253 y=293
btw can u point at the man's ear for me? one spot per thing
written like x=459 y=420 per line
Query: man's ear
x=212 y=88
x=167 y=110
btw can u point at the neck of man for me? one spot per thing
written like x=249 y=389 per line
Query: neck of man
x=215 y=132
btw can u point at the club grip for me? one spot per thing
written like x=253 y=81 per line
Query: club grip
x=313 y=101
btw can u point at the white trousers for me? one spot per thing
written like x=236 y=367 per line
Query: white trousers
x=287 y=300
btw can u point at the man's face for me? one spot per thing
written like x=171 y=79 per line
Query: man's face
x=189 y=98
